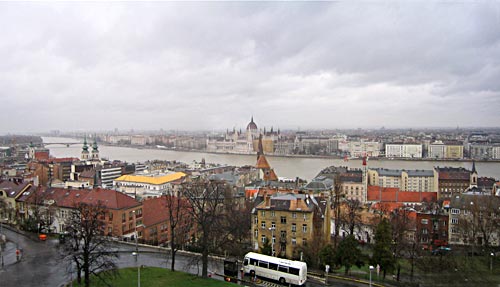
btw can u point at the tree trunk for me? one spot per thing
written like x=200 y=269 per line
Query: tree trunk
x=87 y=276
x=204 y=256
x=172 y=247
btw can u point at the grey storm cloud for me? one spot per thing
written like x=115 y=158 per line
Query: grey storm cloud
x=212 y=65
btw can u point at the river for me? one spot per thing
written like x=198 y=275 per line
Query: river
x=290 y=167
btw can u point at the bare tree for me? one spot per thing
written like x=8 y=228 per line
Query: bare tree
x=206 y=198
x=86 y=246
x=351 y=216
x=180 y=222
x=402 y=225
x=238 y=224
x=336 y=207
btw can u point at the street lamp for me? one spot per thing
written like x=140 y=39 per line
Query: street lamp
x=371 y=269
x=491 y=261
x=136 y=253
x=272 y=239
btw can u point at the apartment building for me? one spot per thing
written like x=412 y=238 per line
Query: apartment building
x=403 y=150
x=289 y=222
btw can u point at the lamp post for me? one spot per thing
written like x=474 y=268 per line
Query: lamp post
x=272 y=240
x=371 y=269
x=136 y=253
x=491 y=261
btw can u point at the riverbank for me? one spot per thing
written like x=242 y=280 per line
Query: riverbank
x=333 y=157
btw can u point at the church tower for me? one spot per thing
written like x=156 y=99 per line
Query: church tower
x=85 y=150
x=473 y=175
x=95 y=150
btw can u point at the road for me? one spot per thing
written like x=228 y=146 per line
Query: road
x=41 y=264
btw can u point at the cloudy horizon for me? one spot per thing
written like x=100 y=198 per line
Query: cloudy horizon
x=213 y=65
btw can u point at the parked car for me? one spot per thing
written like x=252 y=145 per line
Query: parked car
x=441 y=250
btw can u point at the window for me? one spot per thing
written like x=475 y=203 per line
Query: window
x=304 y=228
x=424 y=231
x=294 y=214
x=274 y=239
x=273 y=225
x=256 y=233
x=455 y=211
x=294 y=271
x=123 y=217
x=263 y=213
x=283 y=219
x=305 y=217
x=304 y=242
x=454 y=221
x=263 y=225
x=263 y=238
x=283 y=269
x=294 y=241
x=273 y=266
x=424 y=221
x=272 y=213
x=255 y=220
x=263 y=264
x=294 y=227
x=111 y=216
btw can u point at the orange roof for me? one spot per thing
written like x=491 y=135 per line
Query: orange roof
x=387 y=194
x=262 y=162
x=110 y=199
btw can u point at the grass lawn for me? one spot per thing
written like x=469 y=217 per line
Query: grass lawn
x=439 y=271
x=154 y=276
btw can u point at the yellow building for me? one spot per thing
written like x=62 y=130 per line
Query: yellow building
x=10 y=190
x=147 y=184
x=454 y=151
x=289 y=222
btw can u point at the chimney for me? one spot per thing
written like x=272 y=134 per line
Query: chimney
x=268 y=200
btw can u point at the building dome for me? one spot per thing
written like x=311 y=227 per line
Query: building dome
x=251 y=125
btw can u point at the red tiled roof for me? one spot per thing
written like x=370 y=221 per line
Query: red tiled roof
x=386 y=194
x=111 y=199
x=13 y=187
x=41 y=155
x=61 y=197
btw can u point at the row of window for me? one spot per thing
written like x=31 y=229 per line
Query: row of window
x=283 y=218
x=294 y=226
x=274 y=266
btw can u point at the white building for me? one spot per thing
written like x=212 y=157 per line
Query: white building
x=403 y=150
x=145 y=185
x=437 y=150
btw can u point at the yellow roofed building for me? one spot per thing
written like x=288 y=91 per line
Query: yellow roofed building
x=147 y=185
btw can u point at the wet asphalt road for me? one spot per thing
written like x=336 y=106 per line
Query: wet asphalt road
x=41 y=264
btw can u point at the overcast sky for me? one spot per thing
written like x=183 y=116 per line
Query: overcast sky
x=205 y=66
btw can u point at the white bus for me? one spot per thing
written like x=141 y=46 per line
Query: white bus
x=283 y=270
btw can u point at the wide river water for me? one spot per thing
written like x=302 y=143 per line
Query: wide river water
x=291 y=167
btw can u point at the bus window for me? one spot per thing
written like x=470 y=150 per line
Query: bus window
x=245 y=262
x=283 y=269
x=294 y=271
x=253 y=261
x=273 y=266
x=263 y=264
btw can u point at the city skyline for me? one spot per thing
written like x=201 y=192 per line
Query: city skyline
x=205 y=66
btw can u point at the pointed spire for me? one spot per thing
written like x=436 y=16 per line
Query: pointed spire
x=85 y=146
x=474 y=166
x=260 y=150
